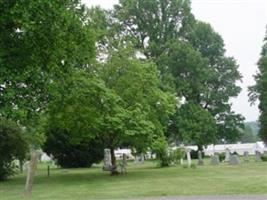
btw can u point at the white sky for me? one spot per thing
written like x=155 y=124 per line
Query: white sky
x=242 y=25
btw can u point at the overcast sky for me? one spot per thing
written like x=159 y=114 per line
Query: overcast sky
x=242 y=25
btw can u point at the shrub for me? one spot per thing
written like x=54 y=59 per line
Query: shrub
x=264 y=158
x=160 y=147
x=176 y=155
x=194 y=154
x=67 y=154
x=221 y=157
x=235 y=153
x=12 y=146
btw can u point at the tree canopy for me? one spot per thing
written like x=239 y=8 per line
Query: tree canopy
x=121 y=103
x=40 y=41
x=189 y=54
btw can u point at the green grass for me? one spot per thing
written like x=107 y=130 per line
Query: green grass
x=142 y=180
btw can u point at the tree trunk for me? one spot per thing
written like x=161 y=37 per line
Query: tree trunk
x=31 y=172
x=21 y=165
x=200 y=148
x=113 y=170
x=200 y=151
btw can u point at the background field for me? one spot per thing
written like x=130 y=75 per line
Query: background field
x=140 y=180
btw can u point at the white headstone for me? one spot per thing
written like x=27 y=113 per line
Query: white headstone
x=107 y=160
x=215 y=160
x=139 y=159
x=258 y=156
x=188 y=156
x=227 y=155
x=246 y=156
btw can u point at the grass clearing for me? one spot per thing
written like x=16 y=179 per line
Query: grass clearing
x=140 y=181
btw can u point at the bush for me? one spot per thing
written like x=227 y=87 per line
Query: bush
x=160 y=147
x=12 y=146
x=67 y=154
x=221 y=157
x=235 y=153
x=176 y=155
x=166 y=156
x=194 y=154
x=264 y=158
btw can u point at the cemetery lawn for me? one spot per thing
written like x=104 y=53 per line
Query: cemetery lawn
x=140 y=181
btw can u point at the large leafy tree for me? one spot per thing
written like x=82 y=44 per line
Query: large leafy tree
x=259 y=91
x=221 y=85
x=40 y=41
x=119 y=102
x=189 y=54
x=138 y=85
x=83 y=108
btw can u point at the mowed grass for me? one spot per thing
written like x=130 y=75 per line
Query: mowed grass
x=141 y=181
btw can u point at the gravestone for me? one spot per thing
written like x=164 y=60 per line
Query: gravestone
x=214 y=160
x=123 y=164
x=227 y=155
x=200 y=160
x=234 y=160
x=136 y=159
x=107 y=160
x=139 y=159
x=188 y=156
x=258 y=156
x=245 y=156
